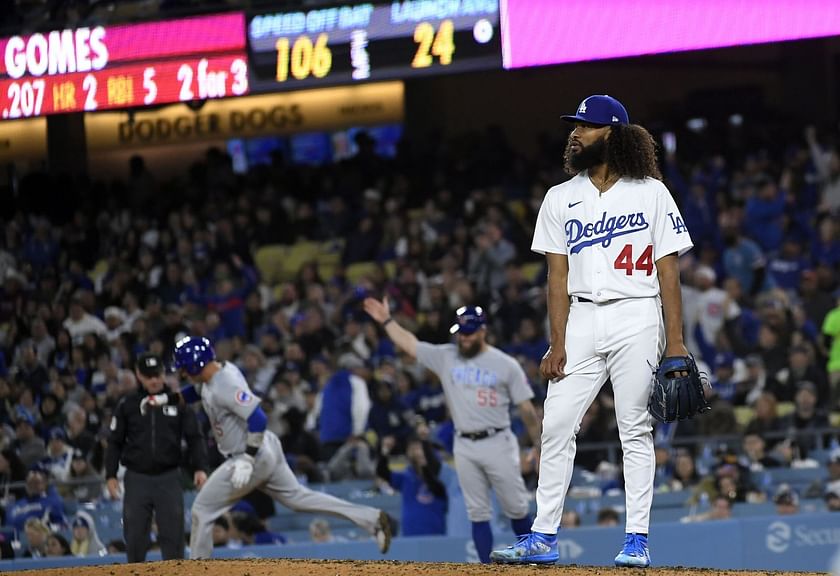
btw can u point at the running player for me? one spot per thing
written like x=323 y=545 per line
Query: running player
x=255 y=455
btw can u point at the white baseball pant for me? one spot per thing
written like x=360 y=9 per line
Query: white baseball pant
x=622 y=340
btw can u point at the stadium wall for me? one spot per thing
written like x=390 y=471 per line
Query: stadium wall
x=804 y=542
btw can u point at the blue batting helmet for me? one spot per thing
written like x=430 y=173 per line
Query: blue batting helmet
x=468 y=320
x=193 y=354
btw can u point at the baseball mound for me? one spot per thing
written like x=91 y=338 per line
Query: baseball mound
x=281 y=567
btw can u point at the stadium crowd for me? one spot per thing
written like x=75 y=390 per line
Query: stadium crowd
x=95 y=276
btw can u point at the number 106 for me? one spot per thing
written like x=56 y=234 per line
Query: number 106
x=304 y=58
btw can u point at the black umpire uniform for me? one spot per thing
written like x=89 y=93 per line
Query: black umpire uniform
x=149 y=445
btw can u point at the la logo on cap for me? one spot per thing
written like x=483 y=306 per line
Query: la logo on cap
x=582 y=108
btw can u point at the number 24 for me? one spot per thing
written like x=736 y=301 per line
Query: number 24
x=624 y=260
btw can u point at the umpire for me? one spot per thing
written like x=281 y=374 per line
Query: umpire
x=146 y=438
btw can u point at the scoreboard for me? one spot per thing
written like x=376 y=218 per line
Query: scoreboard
x=352 y=43
x=107 y=67
x=233 y=54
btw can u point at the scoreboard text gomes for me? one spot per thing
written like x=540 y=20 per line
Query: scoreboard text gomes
x=124 y=66
x=77 y=50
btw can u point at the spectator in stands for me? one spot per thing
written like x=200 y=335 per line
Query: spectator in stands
x=85 y=541
x=721 y=510
x=834 y=471
x=753 y=455
x=116 y=546
x=221 y=530
x=832 y=501
x=344 y=405
x=685 y=471
x=59 y=455
x=12 y=471
x=831 y=343
x=301 y=446
x=807 y=416
x=50 y=412
x=756 y=382
x=228 y=299
x=389 y=417
x=816 y=303
x=36 y=537
x=424 y=498
x=363 y=245
x=528 y=341
x=570 y=519
x=714 y=308
x=487 y=261
x=785 y=269
x=320 y=532
x=57 y=545
x=7 y=551
x=801 y=366
x=85 y=484
x=81 y=323
x=253 y=531
x=720 y=420
x=30 y=373
x=354 y=459
x=764 y=214
x=766 y=422
x=608 y=517
x=78 y=435
x=723 y=380
x=29 y=447
x=733 y=481
x=39 y=502
x=6 y=400
x=786 y=500
x=257 y=370
x=827 y=163
x=743 y=260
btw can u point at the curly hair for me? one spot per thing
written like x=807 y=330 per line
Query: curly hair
x=631 y=151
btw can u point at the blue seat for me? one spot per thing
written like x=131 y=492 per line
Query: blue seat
x=746 y=510
x=798 y=476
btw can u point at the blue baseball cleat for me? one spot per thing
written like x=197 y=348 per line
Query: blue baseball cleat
x=533 y=548
x=635 y=553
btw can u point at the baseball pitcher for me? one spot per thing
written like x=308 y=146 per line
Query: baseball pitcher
x=612 y=236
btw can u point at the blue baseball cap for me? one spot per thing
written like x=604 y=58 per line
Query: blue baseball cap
x=468 y=320
x=600 y=109
x=724 y=359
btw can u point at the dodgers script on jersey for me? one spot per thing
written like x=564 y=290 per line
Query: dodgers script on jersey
x=614 y=239
x=479 y=389
x=228 y=402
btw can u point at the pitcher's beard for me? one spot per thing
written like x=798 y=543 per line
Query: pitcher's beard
x=587 y=156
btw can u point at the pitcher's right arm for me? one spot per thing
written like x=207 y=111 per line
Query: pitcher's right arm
x=554 y=362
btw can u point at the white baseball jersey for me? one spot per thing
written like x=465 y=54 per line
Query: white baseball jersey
x=229 y=402
x=612 y=240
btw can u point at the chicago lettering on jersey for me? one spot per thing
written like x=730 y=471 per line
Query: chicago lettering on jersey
x=474 y=376
x=579 y=235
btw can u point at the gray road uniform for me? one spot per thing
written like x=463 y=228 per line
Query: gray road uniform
x=229 y=402
x=479 y=392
